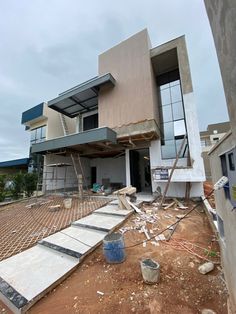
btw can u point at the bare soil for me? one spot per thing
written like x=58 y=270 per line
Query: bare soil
x=182 y=289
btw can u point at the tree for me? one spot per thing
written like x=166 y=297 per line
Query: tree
x=29 y=183
x=2 y=187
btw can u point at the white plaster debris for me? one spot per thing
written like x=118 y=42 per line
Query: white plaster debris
x=160 y=237
x=100 y=292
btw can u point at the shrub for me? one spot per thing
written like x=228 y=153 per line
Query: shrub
x=17 y=186
x=3 y=179
x=30 y=183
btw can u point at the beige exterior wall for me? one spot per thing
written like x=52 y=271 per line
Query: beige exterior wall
x=51 y=119
x=133 y=98
x=224 y=210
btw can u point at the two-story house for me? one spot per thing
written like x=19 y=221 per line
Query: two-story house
x=126 y=124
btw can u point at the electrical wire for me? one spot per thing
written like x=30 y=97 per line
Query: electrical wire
x=140 y=242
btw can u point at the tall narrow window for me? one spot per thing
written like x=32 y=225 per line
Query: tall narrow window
x=38 y=135
x=173 y=126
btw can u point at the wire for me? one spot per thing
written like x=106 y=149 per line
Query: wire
x=140 y=242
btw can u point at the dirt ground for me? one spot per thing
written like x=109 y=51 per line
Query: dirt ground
x=24 y=223
x=182 y=289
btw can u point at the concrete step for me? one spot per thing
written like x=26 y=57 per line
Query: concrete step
x=113 y=210
x=28 y=276
x=101 y=222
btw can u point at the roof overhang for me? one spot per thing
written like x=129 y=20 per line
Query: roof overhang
x=91 y=140
x=16 y=163
x=81 y=98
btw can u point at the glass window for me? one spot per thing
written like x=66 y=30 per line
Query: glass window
x=174 y=83
x=231 y=161
x=38 y=135
x=165 y=86
x=43 y=130
x=168 y=129
x=167 y=113
x=176 y=93
x=168 y=150
x=179 y=128
x=173 y=126
x=178 y=112
x=165 y=97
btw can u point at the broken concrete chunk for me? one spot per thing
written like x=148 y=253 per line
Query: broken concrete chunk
x=206 y=268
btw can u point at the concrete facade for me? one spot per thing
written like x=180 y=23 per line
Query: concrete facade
x=227 y=220
x=209 y=138
x=131 y=108
x=222 y=18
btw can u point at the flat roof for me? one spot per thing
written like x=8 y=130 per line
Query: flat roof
x=81 y=98
x=14 y=163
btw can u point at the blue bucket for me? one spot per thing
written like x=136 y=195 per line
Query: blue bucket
x=114 y=248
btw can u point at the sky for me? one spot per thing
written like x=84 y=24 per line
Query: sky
x=47 y=47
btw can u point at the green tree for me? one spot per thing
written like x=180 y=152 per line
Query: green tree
x=17 y=186
x=3 y=179
x=30 y=183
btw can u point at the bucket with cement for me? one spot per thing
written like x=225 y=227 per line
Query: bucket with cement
x=150 y=271
x=114 y=248
x=68 y=203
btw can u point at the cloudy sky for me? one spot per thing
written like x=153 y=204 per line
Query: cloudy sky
x=47 y=47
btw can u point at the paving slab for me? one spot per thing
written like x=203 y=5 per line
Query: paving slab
x=100 y=222
x=75 y=240
x=138 y=203
x=28 y=275
x=113 y=210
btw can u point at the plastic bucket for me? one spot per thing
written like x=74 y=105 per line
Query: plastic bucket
x=150 y=271
x=68 y=203
x=113 y=248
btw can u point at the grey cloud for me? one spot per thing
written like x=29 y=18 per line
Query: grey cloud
x=49 y=46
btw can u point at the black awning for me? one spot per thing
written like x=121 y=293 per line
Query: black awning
x=81 y=98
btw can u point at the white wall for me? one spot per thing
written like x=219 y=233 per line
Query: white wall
x=112 y=168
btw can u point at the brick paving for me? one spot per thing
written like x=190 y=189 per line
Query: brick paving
x=21 y=226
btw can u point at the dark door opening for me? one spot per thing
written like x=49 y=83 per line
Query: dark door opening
x=140 y=174
x=93 y=175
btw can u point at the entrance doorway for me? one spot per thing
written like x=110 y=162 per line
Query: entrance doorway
x=140 y=174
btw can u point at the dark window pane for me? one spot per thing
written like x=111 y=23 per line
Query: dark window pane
x=231 y=161
x=178 y=112
x=168 y=150
x=165 y=97
x=167 y=113
x=179 y=128
x=168 y=131
x=176 y=94
x=90 y=122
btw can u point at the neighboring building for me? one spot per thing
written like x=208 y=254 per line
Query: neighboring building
x=209 y=138
x=222 y=17
x=127 y=124
x=14 y=166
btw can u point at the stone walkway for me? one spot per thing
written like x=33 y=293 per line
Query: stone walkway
x=28 y=276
